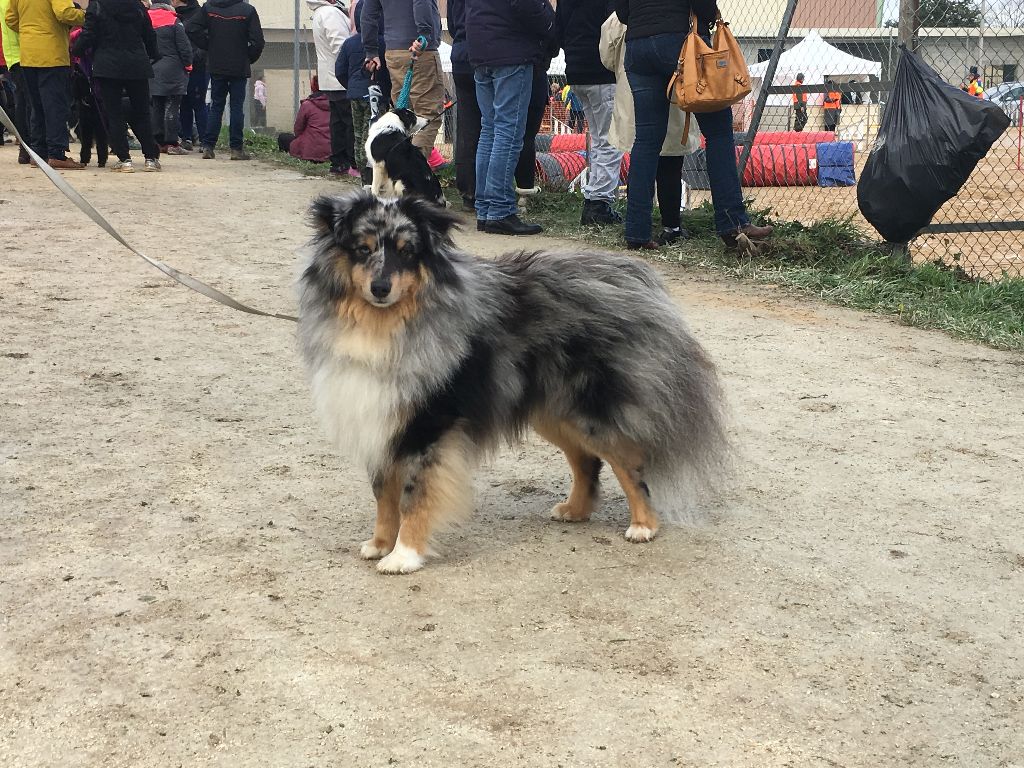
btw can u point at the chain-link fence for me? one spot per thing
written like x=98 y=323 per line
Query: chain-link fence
x=814 y=135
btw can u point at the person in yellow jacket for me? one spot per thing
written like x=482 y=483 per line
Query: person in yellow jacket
x=43 y=27
x=12 y=52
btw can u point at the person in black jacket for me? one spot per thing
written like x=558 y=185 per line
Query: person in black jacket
x=193 y=103
x=655 y=31
x=505 y=38
x=170 y=76
x=467 y=111
x=230 y=33
x=122 y=41
x=579 y=35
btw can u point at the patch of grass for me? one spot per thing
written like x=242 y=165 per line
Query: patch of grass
x=265 y=148
x=833 y=261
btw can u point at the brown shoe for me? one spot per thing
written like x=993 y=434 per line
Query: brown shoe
x=746 y=238
x=650 y=245
x=64 y=164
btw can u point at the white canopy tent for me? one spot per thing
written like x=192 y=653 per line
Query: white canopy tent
x=819 y=62
x=445 y=51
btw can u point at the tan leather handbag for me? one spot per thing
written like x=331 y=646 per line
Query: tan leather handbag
x=709 y=79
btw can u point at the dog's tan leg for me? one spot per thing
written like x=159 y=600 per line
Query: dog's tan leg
x=438 y=488
x=643 y=522
x=388 y=492
x=586 y=471
x=379 y=180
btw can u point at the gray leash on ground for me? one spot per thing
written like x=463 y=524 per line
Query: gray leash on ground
x=73 y=195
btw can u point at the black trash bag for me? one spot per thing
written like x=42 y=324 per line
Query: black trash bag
x=931 y=137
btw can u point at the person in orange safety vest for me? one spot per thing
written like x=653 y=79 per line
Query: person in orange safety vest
x=974 y=85
x=832 y=105
x=799 y=103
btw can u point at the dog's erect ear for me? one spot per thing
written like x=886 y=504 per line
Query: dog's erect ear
x=335 y=214
x=438 y=222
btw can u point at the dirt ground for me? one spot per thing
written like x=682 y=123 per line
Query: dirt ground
x=179 y=576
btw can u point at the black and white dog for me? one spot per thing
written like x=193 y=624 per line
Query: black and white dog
x=399 y=168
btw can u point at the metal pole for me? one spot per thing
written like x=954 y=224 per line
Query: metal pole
x=909 y=23
x=766 y=82
x=981 y=44
x=296 y=43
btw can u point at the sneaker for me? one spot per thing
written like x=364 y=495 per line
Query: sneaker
x=23 y=158
x=512 y=225
x=436 y=160
x=240 y=154
x=336 y=170
x=746 y=238
x=152 y=165
x=481 y=225
x=354 y=173
x=671 y=234
x=64 y=164
x=208 y=153
x=163 y=148
x=598 y=212
x=133 y=143
x=174 y=149
x=187 y=145
x=101 y=163
x=123 y=166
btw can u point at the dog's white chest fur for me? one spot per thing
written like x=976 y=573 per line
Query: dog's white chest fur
x=359 y=407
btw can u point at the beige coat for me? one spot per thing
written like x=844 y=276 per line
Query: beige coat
x=623 y=130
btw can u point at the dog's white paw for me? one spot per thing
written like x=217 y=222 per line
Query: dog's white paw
x=567 y=514
x=370 y=551
x=638 y=534
x=402 y=559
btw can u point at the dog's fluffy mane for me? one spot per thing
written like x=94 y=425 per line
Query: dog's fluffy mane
x=586 y=338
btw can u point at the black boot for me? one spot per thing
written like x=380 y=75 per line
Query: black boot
x=598 y=212
x=512 y=225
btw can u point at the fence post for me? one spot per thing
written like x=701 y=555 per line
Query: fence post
x=296 y=43
x=909 y=23
x=766 y=83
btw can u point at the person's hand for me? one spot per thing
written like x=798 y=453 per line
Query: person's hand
x=416 y=47
x=372 y=64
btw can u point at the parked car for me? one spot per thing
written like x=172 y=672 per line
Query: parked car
x=1008 y=96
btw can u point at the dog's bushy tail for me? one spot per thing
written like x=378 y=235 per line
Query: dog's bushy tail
x=689 y=462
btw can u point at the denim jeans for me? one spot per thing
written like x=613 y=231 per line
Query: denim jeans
x=605 y=160
x=503 y=94
x=49 y=93
x=221 y=88
x=193 y=105
x=650 y=62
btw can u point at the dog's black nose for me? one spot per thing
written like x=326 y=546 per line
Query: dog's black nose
x=380 y=288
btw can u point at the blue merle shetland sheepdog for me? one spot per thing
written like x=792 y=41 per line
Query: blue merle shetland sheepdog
x=422 y=358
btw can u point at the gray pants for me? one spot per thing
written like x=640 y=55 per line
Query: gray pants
x=605 y=160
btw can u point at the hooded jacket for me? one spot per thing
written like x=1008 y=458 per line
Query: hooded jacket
x=43 y=29
x=331 y=28
x=312 y=130
x=121 y=38
x=350 y=71
x=186 y=13
x=508 y=32
x=231 y=34
x=170 y=77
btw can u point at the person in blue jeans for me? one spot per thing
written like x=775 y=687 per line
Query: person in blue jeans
x=230 y=33
x=193 y=105
x=655 y=31
x=504 y=38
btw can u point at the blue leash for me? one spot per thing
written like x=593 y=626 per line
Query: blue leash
x=403 y=96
